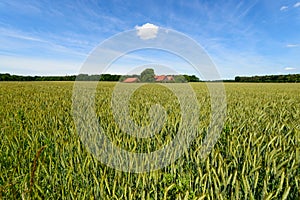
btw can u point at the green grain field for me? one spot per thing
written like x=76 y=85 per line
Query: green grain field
x=256 y=157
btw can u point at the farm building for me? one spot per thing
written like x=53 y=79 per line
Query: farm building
x=131 y=80
x=164 y=78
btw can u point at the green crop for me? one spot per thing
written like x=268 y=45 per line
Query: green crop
x=256 y=157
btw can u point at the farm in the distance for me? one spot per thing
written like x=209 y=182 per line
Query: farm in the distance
x=256 y=157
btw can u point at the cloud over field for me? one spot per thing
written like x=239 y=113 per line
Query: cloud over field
x=283 y=8
x=147 y=31
x=297 y=5
x=289 y=68
x=292 y=45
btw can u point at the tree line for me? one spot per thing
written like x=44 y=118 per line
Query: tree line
x=80 y=77
x=86 y=77
x=290 y=78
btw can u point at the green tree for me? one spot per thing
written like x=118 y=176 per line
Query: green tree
x=191 y=78
x=180 y=79
x=147 y=75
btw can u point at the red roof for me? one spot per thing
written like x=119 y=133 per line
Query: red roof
x=160 y=78
x=164 y=78
x=170 y=78
x=131 y=80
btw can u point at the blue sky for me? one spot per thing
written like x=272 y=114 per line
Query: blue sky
x=241 y=37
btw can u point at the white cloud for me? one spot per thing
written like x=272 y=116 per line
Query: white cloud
x=283 y=8
x=292 y=45
x=147 y=31
x=289 y=68
x=297 y=5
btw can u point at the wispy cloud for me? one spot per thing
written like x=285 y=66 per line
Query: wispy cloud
x=56 y=44
x=17 y=34
x=296 y=5
x=31 y=8
x=292 y=45
x=246 y=11
x=283 y=8
x=289 y=68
